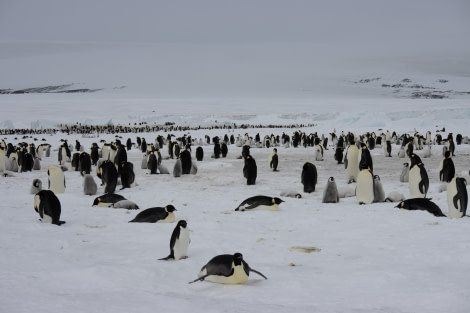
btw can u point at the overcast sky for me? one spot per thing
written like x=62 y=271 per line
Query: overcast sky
x=428 y=22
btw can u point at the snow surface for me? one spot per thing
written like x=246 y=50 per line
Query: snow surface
x=369 y=258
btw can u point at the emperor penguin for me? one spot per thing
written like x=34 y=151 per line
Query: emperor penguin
x=127 y=174
x=109 y=176
x=2 y=159
x=330 y=194
x=418 y=178
x=446 y=168
x=379 y=194
x=309 y=177
x=177 y=168
x=226 y=269
x=423 y=204
x=388 y=144
x=199 y=153
x=318 y=150
x=351 y=161
x=250 y=170
x=156 y=215
x=179 y=242
x=89 y=185
x=365 y=186
x=365 y=160
x=186 y=162
x=405 y=172
x=151 y=163
x=107 y=199
x=273 y=160
x=56 y=179
x=48 y=206
x=36 y=186
x=457 y=197
x=260 y=202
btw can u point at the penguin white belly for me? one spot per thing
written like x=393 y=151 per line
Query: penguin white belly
x=46 y=219
x=180 y=250
x=353 y=163
x=451 y=192
x=2 y=161
x=365 y=187
x=272 y=207
x=170 y=218
x=238 y=277
x=414 y=177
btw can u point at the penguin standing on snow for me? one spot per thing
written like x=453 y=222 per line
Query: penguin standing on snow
x=109 y=176
x=365 y=186
x=418 y=178
x=331 y=195
x=260 y=202
x=379 y=194
x=405 y=173
x=457 y=197
x=423 y=204
x=273 y=160
x=47 y=205
x=186 y=163
x=179 y=242
x=56 y=179
x=446 y=168
x=89 y=185
x=351 y=161
x=127 y=174
x=309 y=177
x=226 y=269
x=199 y=153
x=250 y=170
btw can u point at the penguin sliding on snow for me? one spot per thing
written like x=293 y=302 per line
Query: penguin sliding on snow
x=226 y=269
x=457 y=197
x=107 y=199
x=179 y=242
x=48 y=206
x=331 y=195
x=260 y=203
x=156 y=215
x=423 y=204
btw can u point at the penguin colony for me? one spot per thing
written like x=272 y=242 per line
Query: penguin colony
x=112 y=168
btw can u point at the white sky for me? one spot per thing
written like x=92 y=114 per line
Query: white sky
x=422 y=22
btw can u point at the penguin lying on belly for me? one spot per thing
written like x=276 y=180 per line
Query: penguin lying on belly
x=226 y=269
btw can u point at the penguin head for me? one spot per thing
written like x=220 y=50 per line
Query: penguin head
x=331 y=179
x=170 y=208
x=447 y=154
x=182 y=223
x=277 y=200
x=401 y=205
x=237 y=258
x=96 y=201
x=377 y=177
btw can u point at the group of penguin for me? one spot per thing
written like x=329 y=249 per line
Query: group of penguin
x=227 y=268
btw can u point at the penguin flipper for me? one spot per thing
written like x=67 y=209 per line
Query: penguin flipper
x=257 y=272
x=199 y=278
